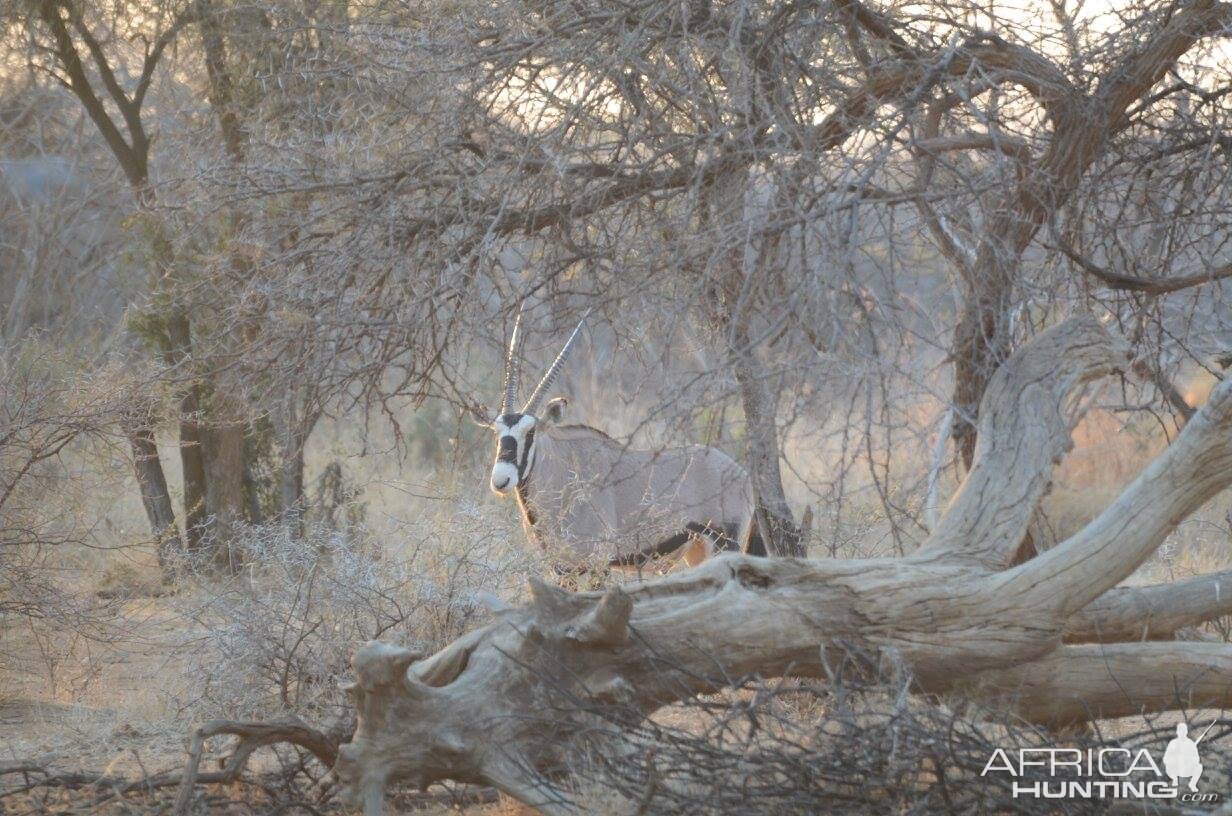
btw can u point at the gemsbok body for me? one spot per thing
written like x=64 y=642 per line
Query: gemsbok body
x=587 y=497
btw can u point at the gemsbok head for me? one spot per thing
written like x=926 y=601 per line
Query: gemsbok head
x=587 y=496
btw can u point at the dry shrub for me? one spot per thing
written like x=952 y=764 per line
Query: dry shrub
x=867 y=749
x=125 y=579
x=276 y=640
x=49 y=411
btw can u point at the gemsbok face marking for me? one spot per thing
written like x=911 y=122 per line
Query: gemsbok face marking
x=575 y=486
x=515 y=451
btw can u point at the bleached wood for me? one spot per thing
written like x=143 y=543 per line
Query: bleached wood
x=1075 y=684
x=1029 y=409
x=1184 y=477
x=1152 y=612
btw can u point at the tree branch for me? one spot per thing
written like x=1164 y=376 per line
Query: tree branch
x=1136 y=73
x=1152 y=612
x=1026 y=416
x=132 y=162
x=1190 y=471
x=1131 y=283
x=252 y=735
x=1076 y=684
x=130 y=111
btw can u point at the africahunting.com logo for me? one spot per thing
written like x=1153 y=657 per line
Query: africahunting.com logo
x=1106 y=773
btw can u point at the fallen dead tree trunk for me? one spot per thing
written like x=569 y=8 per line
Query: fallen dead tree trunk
x=489 y=708
x=1152 y=612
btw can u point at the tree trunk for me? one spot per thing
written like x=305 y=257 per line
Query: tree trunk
x=291 y=486
x=742 y=278
x=760 y=401
x=132 y=155
x=291 y=483
x=223 y=440
x=192 y=457
x=252 y=495
x=153 y=484
x=292 y=432
x=981 y=342
x=229 y=466
x=222 y=92
x=498 y=705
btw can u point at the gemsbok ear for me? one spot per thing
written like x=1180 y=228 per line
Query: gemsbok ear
x=555 y=410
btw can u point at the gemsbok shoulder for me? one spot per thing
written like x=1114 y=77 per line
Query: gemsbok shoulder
x=588 y=497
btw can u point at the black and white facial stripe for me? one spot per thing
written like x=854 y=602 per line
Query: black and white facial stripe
x=515 y=451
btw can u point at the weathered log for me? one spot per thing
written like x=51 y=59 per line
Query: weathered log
x=497 y=706
x=1152 y=612
x=1079 y=683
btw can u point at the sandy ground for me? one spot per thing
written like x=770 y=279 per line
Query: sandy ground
x=116 y=706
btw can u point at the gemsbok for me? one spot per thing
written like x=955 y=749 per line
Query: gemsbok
x=586 y=496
